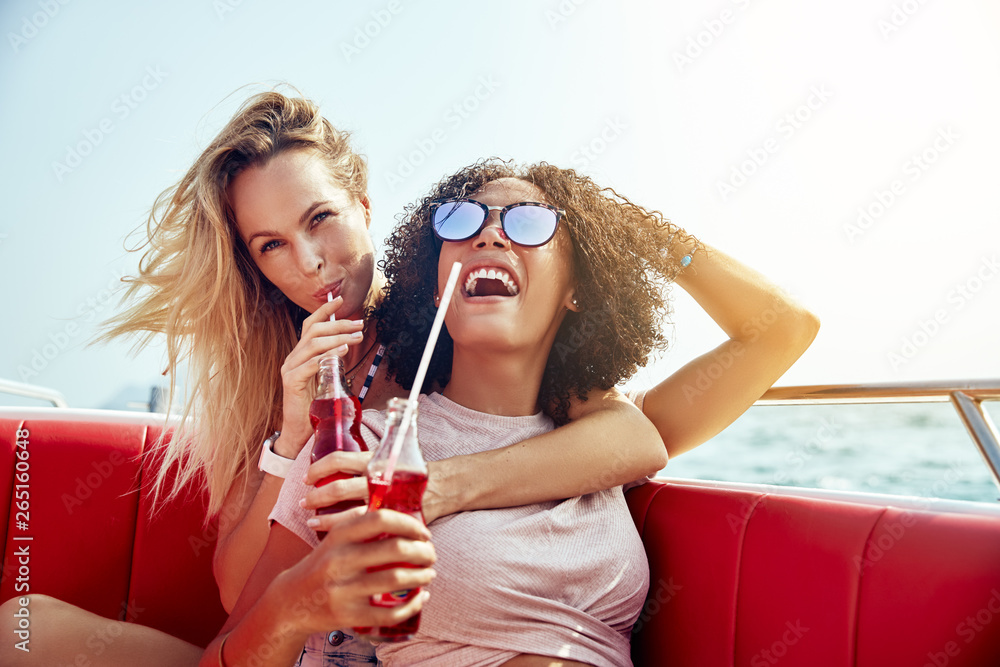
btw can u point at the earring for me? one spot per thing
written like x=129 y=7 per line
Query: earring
x=437 y=300
x=575 y=302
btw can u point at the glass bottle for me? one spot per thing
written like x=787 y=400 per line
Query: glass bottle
x=403 y=493
x=335 y=415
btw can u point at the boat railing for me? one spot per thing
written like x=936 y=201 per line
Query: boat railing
x=966 y=396
x=33 y=391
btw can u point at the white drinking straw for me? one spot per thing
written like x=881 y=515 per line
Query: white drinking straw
x=337 y=389
x=425 y=361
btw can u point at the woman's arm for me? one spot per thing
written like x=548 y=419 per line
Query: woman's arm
x=767 y=332
x=606 y=444
x=295 y=591
x=243 y=525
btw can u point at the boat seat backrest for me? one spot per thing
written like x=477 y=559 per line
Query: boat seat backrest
x=93 y=541
x=749 y=578
x=737 y=577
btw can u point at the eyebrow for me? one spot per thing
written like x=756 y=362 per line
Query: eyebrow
x=302 y=220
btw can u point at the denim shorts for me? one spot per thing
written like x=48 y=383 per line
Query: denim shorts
x=340 y=648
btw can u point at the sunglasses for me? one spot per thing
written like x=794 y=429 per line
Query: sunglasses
x=525 y=223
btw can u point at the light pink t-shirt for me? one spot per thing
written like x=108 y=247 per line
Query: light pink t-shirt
x=563 y=578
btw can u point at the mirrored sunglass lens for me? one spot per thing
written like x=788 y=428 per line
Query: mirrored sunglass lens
x=530 y=225
x=457 y=219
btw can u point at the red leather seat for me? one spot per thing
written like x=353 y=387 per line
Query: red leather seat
x=741 y=577
x=92 y=539
x=738 y=576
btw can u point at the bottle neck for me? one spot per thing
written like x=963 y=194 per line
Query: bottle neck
x=409 y=456
x=331 y=378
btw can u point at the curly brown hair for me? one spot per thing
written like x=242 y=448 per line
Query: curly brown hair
x=622 y=265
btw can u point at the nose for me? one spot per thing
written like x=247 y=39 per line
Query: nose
x=309 y=257
x=492 y=235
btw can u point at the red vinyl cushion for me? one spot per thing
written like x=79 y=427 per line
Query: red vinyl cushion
x=798 y=585
x=931 y=591
x=737 y=577
x=693 y=543
x=174 y=547
x=82 y=512
x=94 y=542
x=8 y=444
x=760 y=579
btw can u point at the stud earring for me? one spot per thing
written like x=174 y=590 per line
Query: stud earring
x=437 y=300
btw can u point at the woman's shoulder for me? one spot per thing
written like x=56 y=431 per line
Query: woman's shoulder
x=443 y=419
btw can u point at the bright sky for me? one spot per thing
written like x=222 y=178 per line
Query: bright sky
x=848 y=150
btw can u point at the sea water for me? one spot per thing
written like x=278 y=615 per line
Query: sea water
x=914 y=449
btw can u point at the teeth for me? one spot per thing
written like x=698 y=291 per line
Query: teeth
x=490 y=274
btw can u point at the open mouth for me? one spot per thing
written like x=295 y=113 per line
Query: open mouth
x=490 y=282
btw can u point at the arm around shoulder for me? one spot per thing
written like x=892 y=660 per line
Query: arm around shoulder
x=607 y=443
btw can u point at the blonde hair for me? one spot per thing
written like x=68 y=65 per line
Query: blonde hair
x=198 y=285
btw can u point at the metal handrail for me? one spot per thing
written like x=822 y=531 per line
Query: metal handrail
x=33 y=391
x=966 y=396
x=891 y=392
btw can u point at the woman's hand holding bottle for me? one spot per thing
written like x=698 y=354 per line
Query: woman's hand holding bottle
x=319 y=337
x=335 y=582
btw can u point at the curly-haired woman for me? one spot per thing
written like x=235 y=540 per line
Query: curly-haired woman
x=549 y=582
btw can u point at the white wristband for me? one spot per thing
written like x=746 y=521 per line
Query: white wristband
x=271 y=463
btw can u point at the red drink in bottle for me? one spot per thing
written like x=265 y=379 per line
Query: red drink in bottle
x=335 y=416
x=405 y=494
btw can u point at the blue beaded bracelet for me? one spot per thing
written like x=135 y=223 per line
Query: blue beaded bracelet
x=686 y=259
